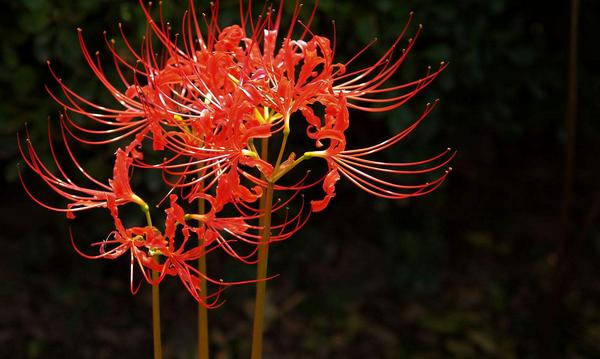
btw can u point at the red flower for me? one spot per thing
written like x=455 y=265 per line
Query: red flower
x=211 y=105
x=117 y=192
x=367 y=174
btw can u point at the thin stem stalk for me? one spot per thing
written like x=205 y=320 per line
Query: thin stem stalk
x=155 y=300
x=261 y=275
x=286 y=133
x=568 y=246
x=156 y=315
x=202 y=312
x=266 y=203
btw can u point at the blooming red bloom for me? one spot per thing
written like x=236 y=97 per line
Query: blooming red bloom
x=117 y=192
x=364 y=173
x=206 y=111
x=146 y=245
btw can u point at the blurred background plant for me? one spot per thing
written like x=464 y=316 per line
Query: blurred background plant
x=474 y=270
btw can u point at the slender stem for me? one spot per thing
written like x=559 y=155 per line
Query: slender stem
x=266 y=202
x=202 y=312
x=571 y=117
x=264 y=150
x=203 y=344
x=155 y=300
x=568 y=245
x=261 y=275
x=156 y=315
x=281 y=150
x=280 y=172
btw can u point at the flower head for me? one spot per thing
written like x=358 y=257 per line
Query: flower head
x=207 y=113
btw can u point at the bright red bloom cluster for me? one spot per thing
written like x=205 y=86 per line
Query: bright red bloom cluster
x=203 y=107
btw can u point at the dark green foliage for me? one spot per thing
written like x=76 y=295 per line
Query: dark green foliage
x=468 y=271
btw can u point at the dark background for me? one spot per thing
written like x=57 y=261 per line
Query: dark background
x=485 y=267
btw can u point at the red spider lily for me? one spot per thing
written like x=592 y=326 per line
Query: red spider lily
x=117 y=191
x=145 y=245
x=204 y=99
x=150 y=251
x=226 y=231
x=138 y=241
x=366 y=174
x=204 y=104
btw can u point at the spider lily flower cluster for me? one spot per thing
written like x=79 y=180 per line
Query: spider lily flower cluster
x=208 y=101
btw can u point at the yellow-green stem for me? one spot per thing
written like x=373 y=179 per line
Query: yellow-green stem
x=155 y=300
x=202 y=312
x=263 y=251
x=286 y=133
x=261 y=274
x=156 y=315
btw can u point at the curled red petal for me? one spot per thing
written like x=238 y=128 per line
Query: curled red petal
x=329 y=187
